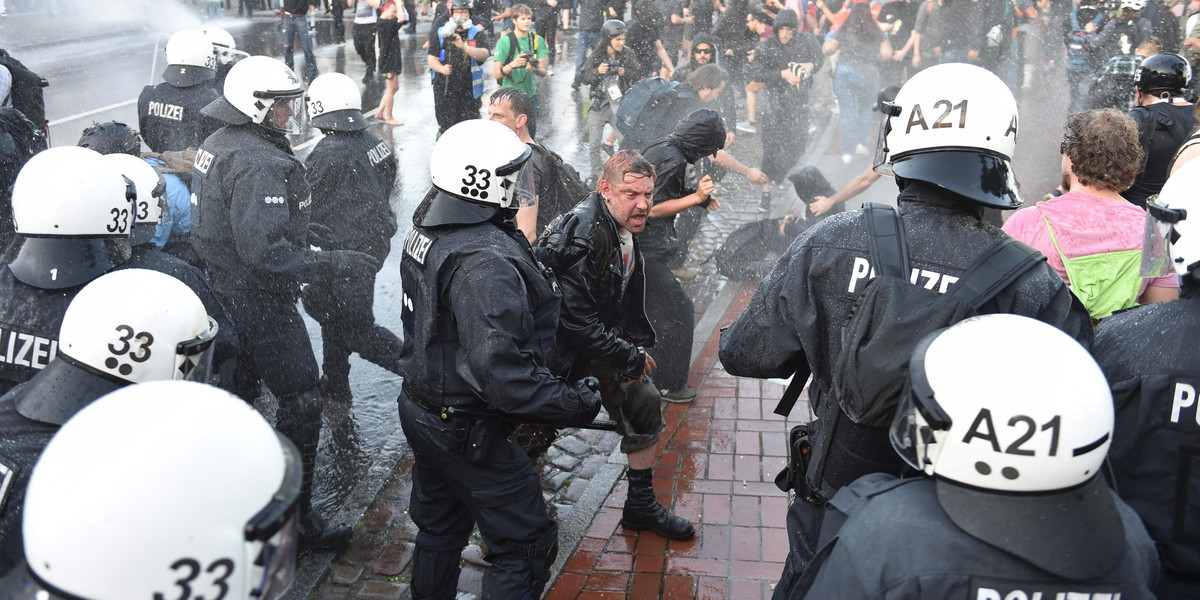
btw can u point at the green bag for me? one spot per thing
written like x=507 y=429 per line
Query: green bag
x=1105 y=282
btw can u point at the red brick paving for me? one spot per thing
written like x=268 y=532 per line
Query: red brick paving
x=719 y=458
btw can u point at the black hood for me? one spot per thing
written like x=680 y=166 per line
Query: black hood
x=699 y=134
x=786 y=18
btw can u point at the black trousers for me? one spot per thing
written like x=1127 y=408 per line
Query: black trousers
x=274 y=346
x=452 y=106
x=784 y=134
x=345 y=308
x=501 y=494
x=672 y=314
x=364 y=43
x=339 y=24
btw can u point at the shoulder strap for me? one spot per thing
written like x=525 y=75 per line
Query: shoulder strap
x=885 y=241
x=1144 y=118
x=993 y=271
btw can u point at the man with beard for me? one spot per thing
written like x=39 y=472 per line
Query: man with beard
x=783 y=64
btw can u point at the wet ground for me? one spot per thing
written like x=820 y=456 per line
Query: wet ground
x=97 y=66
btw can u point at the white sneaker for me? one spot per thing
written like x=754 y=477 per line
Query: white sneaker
x=860 y=150
x=846 y=158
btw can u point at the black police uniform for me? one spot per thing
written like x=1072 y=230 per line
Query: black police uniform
x=21 y=443
x=169 y=117
x=1162 y=128
x=30 y=318
x=895 y=541
x=352 y=174
x=479 y=317
x=1147 y=354
x=798 y=311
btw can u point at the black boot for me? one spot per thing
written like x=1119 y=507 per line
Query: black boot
x=318 y=536
x=643 y=512
x=299 y=419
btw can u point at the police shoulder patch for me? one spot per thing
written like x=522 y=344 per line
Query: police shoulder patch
x=416 y=246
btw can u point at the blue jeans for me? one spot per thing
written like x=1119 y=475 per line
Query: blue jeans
x=856 y=89
x=587 y=41
x=293 y=28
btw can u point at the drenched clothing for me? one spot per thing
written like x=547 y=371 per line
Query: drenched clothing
x=30 y=318
x=169 y=117
x=1162 y=128
x=1147 y=354
x=784 y=124
x=895 y=541
x=456 y=96
x=20 y=446
x=797 y=313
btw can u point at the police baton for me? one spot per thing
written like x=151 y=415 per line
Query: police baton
x=450 y=412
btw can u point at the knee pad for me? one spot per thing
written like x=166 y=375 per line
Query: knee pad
x=435 y=566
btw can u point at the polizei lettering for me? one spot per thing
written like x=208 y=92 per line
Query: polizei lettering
x=26 y=350
x=990 y=594
x=1183 y=396
x=930 y=280
x=378 y=153
x=204 y=160
x=417 y=246
x=163 y=110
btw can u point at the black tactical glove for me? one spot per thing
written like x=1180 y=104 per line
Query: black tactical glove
x=587 y=388
x=349 y=264
x=319 y=235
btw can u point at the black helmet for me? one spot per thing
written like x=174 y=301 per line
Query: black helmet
x=460 y=4
x=887 y=94
x=612 y=28
x=1163 y=72
x=111 y=137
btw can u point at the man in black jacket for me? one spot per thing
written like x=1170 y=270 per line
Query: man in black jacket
x=351 y=173
x=666 y=241
x=947 y=177
x=604 y=325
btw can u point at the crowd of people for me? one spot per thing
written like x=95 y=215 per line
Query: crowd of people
x=534 y=298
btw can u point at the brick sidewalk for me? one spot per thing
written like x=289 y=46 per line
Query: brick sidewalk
x=719 y=458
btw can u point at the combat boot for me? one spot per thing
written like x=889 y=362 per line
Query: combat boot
x=318 y=536
x=643 y=512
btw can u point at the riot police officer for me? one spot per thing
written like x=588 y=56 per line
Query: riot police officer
x=69 y=231
x=351 y=173
x=1015 y=505
x=225 y=522
x=479 y=315
x=1146 y=354
x=1164 y=119
x=225 y=53
x=250 y=225
x=169 y=114
x=125 y=327
x=947 y=176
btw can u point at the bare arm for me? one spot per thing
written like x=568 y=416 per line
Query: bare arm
x=527 y=222
x=858 y=185
x=1158 y=294
x=885 y=50
x=728 y=161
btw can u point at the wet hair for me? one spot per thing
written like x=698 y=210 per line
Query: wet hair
x=861 y=24
x=518 y=100
x=521 y=10
x=707 y=77
x=1103 y=147
x=624 y=163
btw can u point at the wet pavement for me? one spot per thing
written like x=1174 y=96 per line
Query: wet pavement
x=719 y=453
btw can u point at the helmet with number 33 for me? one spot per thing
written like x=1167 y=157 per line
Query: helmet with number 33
x=1016 y=455
x=73 y=212
x=476 y=167
x=129 y=326
x=168 y=490
x=953 y=125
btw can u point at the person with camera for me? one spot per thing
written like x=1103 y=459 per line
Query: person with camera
x=1123 y=33
x=609 y=73
x=457 y=50
x=520 y=55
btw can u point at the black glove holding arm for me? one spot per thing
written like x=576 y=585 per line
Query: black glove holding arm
x=589 y=396
x=344 y=264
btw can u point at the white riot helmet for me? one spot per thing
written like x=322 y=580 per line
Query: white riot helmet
x=953 y=125
x=476 y=166
x=190 y=59
x=70 y=229
x=1133 y=4
x=224 y=48
x=261 y=90
x=129 y=326
x=1016 y=452
x=151 y=205
x=1172 y=242
x=161 y=485
x=334 y=102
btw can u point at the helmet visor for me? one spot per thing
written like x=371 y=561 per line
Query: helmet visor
x=519 y=191
x=881 y=164
x=918 y=415
x=228 y=56
x=272 y=535
x=285 y=114
x=193 y=358
x=1158 y=236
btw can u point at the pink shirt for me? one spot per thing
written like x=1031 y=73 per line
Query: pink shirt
x=1084 y=225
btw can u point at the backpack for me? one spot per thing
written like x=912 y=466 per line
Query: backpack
x=891 y=315
x=644 y=109
x=744 y=255
x=565 y=191
x=26 y=90
x=514 y=47
x=20 y=139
